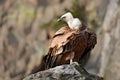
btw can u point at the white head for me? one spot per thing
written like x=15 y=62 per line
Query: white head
x=73 y=23
x=66 y=17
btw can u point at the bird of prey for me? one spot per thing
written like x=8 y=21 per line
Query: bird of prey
x=70 y=43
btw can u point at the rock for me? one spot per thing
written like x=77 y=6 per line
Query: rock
x=107 y=51
x=64 y=72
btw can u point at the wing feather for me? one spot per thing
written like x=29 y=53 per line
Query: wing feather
x=62 y=45
x=91 y=42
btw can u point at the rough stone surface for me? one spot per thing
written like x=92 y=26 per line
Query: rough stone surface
x=63 y=72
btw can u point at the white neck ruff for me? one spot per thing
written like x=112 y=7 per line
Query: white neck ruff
x=74 y=23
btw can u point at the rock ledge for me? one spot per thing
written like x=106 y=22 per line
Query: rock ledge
x=64 y=72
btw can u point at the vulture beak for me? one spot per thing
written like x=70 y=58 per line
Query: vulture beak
x=61 y=19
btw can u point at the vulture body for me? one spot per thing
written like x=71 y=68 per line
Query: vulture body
x=70 y=43
x=65 y=42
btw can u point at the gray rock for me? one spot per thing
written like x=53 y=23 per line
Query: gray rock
x=64 y=72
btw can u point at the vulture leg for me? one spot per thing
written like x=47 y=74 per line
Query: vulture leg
x=71 y=59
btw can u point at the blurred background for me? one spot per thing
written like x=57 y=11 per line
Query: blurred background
x=26 y=27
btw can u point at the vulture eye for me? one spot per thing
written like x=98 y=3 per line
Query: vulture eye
x=63 y=17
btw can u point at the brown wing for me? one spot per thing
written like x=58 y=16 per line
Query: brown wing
x=90 y=36
x=91 y=42
x=62 y=45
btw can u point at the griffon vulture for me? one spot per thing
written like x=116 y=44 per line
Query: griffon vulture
x=69 y=44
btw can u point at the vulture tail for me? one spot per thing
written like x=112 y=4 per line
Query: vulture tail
x=84 y=58
x=43 y=62
x=53 y=61
x=40 y=67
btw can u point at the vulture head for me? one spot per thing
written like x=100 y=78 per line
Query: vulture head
x=73 y=23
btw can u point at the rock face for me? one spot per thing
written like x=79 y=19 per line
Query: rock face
x=108 y=46
x=110 y=52
x=64 y=72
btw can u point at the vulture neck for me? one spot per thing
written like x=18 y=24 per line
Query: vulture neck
x=74 y=23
